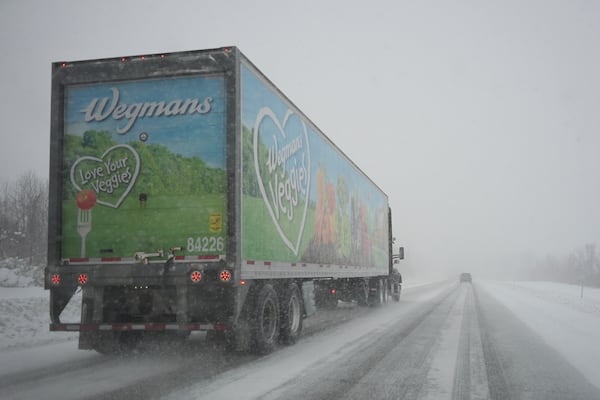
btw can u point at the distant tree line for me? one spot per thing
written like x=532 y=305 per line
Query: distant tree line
x=581 y=266
x=24 y=219
x=163 y=171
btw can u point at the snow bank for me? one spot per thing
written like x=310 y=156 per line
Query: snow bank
x=25 y=317
x=560 y=316
x=564 y=294
x=25 y=310
x=16 y=272
x=11 y=278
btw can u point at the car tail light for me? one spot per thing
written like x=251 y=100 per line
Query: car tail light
x=55 y=279
x=196 y=276
x=332 y=290
x=82 y=279
x=225 y=276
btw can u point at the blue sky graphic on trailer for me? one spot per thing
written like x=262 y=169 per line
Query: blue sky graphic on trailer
x=189 y=129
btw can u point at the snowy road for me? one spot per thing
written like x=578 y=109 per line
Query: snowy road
x=442 y=341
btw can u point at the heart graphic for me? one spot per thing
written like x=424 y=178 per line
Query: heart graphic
x=285 y=172
x=111 y=176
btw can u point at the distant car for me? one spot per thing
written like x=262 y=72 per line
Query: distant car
x=465 y=277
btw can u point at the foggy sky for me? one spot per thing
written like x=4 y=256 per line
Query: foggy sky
x=478 y=119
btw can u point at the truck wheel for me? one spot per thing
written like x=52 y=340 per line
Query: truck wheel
x=265 y=320
x=104 y=343
x=290 y=321
x=396 y=291
x=362 y=293
x=396 y=284
x=116 y=342
x=377 y=297
x=385 y=291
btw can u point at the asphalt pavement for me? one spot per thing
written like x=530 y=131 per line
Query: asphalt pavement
x=442 y=341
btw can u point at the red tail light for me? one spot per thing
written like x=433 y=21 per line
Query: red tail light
x=196 y=276
x=332 y=290
x=55 y=279
x=82 y=279
x=225 y=276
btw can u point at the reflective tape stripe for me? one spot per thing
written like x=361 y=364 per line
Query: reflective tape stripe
x=138 y=327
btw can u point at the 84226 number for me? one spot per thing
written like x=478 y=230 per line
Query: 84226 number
x=205 y=244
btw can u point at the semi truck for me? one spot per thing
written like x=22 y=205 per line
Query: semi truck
x=188 y=193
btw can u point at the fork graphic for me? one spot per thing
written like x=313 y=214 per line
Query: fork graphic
x=84 y=226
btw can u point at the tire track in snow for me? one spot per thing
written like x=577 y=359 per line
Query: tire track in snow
x=391 y=366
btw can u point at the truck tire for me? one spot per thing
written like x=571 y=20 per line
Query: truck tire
x=377 y=296
x=386 y=292
x=362 y=293
x=265 y=320
x=396 y=291
x=396 y=284
x=112 y=343
x=380 y=292
x=104 y=343
x=290 y=320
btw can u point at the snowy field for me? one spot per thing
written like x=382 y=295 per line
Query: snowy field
x=562 y=318
x=25 y=317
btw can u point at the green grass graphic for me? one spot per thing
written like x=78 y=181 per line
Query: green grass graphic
x=166 y=221
x=261 y=241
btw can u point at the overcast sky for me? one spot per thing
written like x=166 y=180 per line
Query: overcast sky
x=479 y=119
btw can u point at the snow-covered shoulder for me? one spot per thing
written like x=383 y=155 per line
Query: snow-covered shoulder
x=26 y=318
x=559 y=314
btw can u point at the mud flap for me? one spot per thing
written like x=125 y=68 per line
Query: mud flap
x=59 y=298
x=308 y=295
x=91 y=305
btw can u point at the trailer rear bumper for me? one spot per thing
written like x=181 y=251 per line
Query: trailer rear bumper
x=124 y=327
